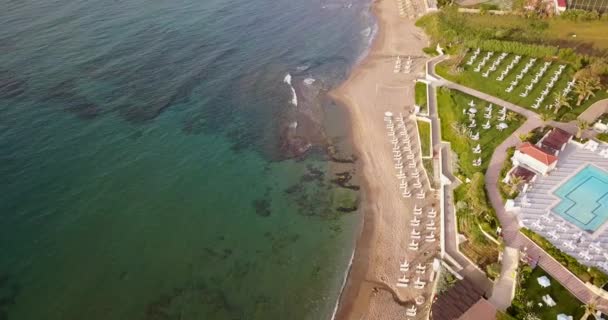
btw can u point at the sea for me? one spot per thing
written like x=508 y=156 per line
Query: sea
x=176 y=159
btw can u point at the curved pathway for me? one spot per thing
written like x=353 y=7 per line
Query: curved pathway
x=509 y=223
x=594 y=111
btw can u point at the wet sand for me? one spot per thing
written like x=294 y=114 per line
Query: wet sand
x=371 y=89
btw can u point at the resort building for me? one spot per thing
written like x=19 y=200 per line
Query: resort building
x=527 y=177
x=569 y=206
x=555 y=141
x=534 y=158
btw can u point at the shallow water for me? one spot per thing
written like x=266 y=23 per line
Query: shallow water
x=140 y=153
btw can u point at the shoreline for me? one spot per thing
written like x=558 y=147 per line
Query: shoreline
x=367 y=269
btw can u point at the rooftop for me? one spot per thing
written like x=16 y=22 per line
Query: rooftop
x=523 y=173
x=480 y=310
x=556 y=139
x=454 y=302
x=537 y=153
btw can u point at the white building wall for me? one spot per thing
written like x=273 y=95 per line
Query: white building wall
x=527 y=161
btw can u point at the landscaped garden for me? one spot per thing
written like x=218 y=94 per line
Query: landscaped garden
x=457 y=70
x=473 y=210
x=575 y=45
x=528 y=301
x=420 y=94
x=586 y=274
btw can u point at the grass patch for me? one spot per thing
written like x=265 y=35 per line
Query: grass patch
x=473 y=210
x=586 y=274
x=424 y=130
x=428 y=167
x=603 y=137
x=529 y=294
x=468 y=77
x=420 y=93
x=449 y=26
x=451 y=104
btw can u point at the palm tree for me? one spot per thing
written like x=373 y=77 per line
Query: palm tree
x=560 y=101
x=590 y=309
x=525 y=136
x=585 y=88
x=581 y=125
x=515 y=182
x=511 y=116
x=460 y=129
x=546 y=117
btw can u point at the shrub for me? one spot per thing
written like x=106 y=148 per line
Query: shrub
x=493 y=270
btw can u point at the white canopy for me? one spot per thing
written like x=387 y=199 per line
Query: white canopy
x=543 y=281
x=388 y=114
x=562 y=316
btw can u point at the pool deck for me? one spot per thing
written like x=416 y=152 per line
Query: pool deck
x=589 y=247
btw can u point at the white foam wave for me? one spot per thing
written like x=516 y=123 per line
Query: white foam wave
x=309 y=81
x=294 y=97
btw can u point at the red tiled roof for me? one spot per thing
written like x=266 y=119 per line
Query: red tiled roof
x=556 y=139
x=562 y=3
x=536 y=153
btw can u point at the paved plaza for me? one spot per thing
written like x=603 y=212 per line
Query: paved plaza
x=542 y=210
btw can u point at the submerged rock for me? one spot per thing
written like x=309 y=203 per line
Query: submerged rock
x=262 y=207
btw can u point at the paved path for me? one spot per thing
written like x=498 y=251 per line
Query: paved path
x=510 y=226
x=594 y=111
x=504 y=289
x=469 y=270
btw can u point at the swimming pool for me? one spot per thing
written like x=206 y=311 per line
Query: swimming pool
x=584 y=198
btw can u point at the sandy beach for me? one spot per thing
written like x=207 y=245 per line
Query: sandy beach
x=371 y=89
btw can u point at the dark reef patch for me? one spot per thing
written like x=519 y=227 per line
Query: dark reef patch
x=262 y=207
x=10 y=85
x=187 y=303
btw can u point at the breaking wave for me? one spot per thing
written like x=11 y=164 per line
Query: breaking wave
x=294 y=97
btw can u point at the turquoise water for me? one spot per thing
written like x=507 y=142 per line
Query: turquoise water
x=148 y=165
x=584 y=198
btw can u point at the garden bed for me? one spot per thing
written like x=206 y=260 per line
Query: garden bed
x=586 y=274
x=529 y=294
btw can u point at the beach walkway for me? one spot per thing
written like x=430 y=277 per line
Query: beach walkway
x=513 y=239
x=464 y=266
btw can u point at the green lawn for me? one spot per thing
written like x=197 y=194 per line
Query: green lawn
x=424 y=130
x=497 y=88
x=584 y=36
x=420 y=91
x=529 y=294
x=534 y=30
x=451 y=104
x=428 y=167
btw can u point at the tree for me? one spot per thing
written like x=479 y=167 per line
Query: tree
x=531 y=316
x=477 y=194
x=511 y=116
x=585 y=88
x=515 y=182
x=560 y=101
x=460 y=129
x=525 y=136
x=546 y=117
x=581 y=125
x=590 y=309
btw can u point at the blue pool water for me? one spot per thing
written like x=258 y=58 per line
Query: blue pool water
x=584 y=199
